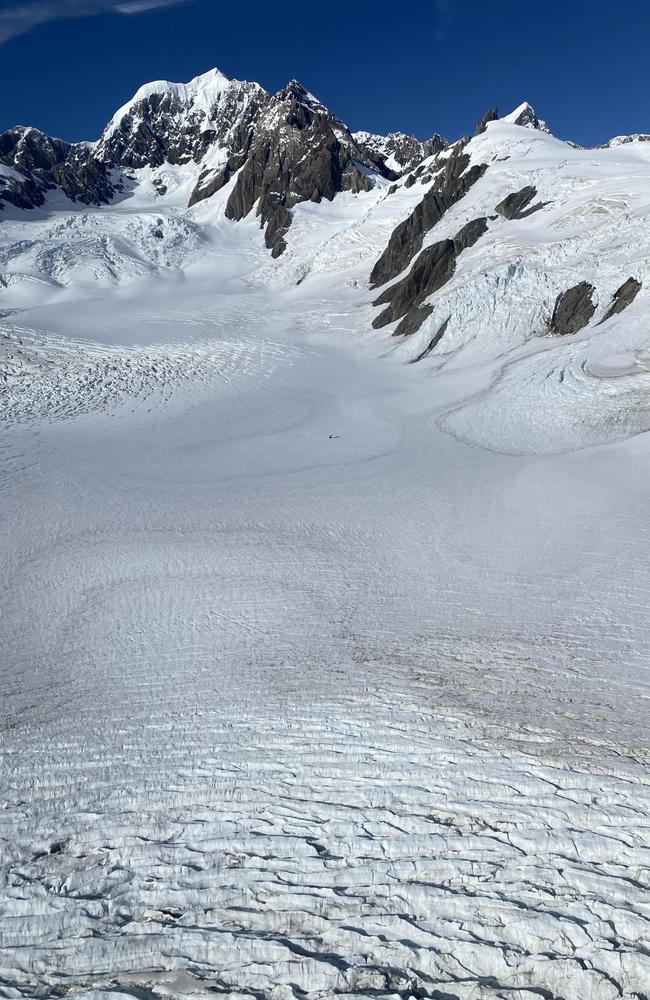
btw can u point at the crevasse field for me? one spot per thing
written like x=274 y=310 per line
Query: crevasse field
x=325 y=674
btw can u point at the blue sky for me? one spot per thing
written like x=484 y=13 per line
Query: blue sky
x=420 y=67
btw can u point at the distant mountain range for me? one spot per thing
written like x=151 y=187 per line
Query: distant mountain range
x=462 y=251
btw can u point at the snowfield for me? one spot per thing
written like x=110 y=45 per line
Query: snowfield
x=324 y=672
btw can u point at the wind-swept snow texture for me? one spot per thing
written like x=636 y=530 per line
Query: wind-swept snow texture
x=324 y=673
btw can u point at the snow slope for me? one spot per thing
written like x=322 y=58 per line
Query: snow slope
x=543 y=392
x=325 y=673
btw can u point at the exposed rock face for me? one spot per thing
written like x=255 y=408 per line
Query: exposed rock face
x=573 y=309
x=433 y=268
x=490 y=116
x=300 y=152
x=623 y=297
x=514 y=206
x=399 y=153
x=275 y=150
x=454 y=181
x=177 y=123
x=623 y=140
x=469 y=234
x=286 y=147
x=525 y=116
x=38 y=163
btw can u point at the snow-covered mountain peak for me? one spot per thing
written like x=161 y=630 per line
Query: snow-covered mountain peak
x=526 y=116
x=200 y=94
x=204 y=87
x=179 y=122
x=398 y=151
x=295 y=91
x=295 y=88
x=479 y=246
x=624 y=140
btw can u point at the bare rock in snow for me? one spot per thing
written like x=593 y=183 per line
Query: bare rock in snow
x=573 y=309
x=515 y=205
x=490 y=116
x=433 y=268
x=453 y=182
x=623 y=297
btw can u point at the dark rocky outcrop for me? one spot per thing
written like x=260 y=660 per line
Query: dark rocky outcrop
x=453 y=182
x=41 y=164
x=490 y=116
x=210 y=182
x=165 y=127
x=515 y=205
x=573 y=309
x=433 y=268
x=414 y=318
x=469 y=234
x=284 y=148
x=623 y=297
x=299 y=156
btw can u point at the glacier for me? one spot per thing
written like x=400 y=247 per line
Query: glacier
x=325 y=668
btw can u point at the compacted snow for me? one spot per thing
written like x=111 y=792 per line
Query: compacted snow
x=324 y=674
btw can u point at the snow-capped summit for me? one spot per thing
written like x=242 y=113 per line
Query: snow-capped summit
x=178 y=122
x=294 y=90
x=459 y=243
x=624 y=140
x=525 y=116
x=200 y=94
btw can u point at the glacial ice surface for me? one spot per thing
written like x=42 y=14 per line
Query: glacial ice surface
x=323 y=674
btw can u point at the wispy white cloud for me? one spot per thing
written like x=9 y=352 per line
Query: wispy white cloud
x=22 y=17
x=140 y=6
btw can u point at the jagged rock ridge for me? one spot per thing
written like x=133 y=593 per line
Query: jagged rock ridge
x=433 y=268
x=298 y=152
x=400 y=153
x=38 y=163
x=288 y=148
x=455 y=178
